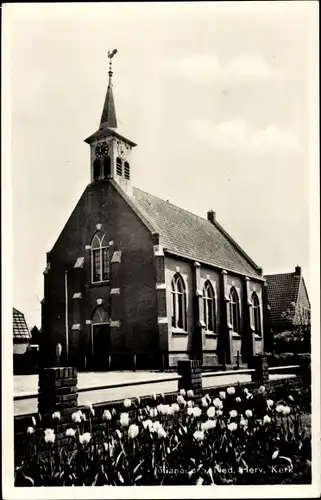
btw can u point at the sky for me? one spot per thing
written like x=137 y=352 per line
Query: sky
x=216 y=95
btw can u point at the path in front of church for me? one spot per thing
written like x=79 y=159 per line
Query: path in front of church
x=154 y=382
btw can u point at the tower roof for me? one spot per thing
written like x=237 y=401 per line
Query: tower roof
x=108 y=116
x=108 y=120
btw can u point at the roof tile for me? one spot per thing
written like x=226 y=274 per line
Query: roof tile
x=20 y=328
x=282 y=290
x=185 y=233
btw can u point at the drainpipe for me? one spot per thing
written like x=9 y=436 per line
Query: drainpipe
x=66 y=314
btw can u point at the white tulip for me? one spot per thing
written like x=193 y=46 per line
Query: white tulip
x=199 y=435
x=218 y=403
x=232 y=426
x=70 y=432
x=107 y=415
x=49 y=436
x=124 y=419
x=211 y=412
x=84 y=438
x=266 y=419
x=133 y=431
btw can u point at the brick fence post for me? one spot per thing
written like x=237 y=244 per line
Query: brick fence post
x=191 y=375
x=57 y=391
x=261 y=374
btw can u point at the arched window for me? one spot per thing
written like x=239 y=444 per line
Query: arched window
x=126 y=170
x=234 y=310
x=106 y=167
x=209 y=306
x=100 y=259
x=178 y=302
x=256 y=313
x=119 y=166
x=100 y=315
x=96 y=170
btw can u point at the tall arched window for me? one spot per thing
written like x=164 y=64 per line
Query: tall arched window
x=99 y=259
x=119 y=166
x=178 y=302
x=106 y=167
x=256 y=313
x=96 y=172
x=234 y=310
x=209 y=307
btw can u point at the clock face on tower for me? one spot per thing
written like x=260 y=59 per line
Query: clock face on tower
x=101 y=150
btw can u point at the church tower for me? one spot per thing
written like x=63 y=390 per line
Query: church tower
x=110 y=152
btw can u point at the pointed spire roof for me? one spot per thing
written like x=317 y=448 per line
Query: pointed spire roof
x=108 y=116
x=108 y=120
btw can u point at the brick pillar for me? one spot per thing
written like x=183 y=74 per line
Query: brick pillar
x=57 y=392
x=261 y=374
x=268 y=341
x=115 y=301
x=199 y=325
x=226 y=336
x=162 y=317
x=191 y=375
x=248 y=340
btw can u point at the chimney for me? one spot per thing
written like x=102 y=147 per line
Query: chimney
x=211 y=216
x=298 y=271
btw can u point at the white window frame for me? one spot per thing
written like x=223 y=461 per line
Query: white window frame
x=208 y=287
x=256 y=305
x=101 y=248
x=175 y=293
x=233 y=291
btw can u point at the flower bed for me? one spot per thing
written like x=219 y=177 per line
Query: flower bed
x=237 y=437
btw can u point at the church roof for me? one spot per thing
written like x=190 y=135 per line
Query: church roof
x=20 y=328
x=282 y=292
x=188 y=235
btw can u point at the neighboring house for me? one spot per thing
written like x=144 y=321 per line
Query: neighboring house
x=21 y=333
x=133 y=274
x=287 y=296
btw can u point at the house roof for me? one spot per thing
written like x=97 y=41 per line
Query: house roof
x=186 y=234
x=20 y=328
x=282 y=291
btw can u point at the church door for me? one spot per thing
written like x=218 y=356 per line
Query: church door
x=101 y=346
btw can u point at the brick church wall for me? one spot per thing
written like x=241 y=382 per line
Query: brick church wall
x=137 y=331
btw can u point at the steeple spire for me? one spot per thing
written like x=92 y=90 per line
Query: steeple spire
x=108 y=116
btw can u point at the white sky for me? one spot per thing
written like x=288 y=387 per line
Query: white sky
x=217 y=96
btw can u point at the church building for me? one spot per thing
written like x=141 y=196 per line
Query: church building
x=134 y=281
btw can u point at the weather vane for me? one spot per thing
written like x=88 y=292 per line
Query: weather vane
x=111 y=54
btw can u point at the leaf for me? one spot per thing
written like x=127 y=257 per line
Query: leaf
x=95 y=480
x=275 y=454
x=287 y=459
x=120 y=477
x=210 y=473
x=138 y=478
x=137 y=466
x=118 y=458
x=29 y=479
